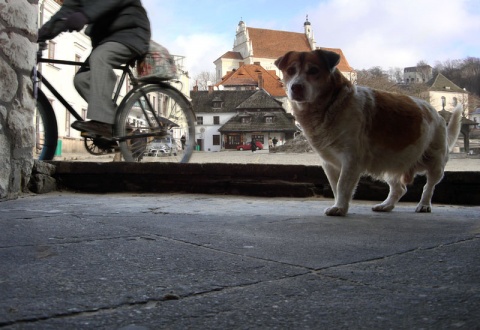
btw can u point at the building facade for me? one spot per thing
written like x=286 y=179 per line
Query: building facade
x=226 y=119
x=444 y=94
x=263 y=46
x=417 y=74
x=70 y=47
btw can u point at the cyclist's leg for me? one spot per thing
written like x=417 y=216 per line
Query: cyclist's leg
x=97 y=84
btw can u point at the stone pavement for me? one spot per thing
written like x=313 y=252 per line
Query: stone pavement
x=186 y=261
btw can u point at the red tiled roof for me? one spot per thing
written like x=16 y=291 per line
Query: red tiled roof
x=248 y=75
x=273 y=43
x=343 y=66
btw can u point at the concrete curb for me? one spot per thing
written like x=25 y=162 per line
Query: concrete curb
x=461 y=188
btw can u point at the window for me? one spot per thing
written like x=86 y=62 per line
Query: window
x=268 y=120
x=84 y=113
x=246 y=120
x=51 y=49
x=216 y=140
x=216 y=120
x=199 y=120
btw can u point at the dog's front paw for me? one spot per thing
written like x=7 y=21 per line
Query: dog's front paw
x=423 y=208
x=336 y=211
x=383 y=207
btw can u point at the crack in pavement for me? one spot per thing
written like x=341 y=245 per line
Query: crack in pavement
x=153 y=302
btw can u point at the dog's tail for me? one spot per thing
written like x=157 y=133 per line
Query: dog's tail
x=454 y=126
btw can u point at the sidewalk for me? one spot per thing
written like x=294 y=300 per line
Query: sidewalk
x=186 y=261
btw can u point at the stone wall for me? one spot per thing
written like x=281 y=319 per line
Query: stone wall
x=18 y=34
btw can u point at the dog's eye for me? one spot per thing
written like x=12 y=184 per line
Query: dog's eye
x=291 y=71
x=313 y=71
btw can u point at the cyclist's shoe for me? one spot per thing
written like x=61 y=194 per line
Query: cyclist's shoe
x=93 y=127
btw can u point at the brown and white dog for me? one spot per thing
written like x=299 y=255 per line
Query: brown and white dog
x=358 y=130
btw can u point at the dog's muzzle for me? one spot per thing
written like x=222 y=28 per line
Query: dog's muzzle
x=297 y=92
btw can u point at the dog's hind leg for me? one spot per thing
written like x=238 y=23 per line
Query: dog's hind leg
x=397 y=190
x=434 y=176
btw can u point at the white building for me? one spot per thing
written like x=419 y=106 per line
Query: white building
x=70 y=47
x=444 y=94
x=417 y=74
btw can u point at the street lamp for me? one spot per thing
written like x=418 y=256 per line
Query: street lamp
x=443 y=102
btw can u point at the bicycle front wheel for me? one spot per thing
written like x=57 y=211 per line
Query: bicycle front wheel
x=46 y=131
x=164 y=121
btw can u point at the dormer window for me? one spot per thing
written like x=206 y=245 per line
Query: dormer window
x=269 y=118
x=217 y=103
x=246 y=120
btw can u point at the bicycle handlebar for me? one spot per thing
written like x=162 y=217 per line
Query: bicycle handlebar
x=42 y=45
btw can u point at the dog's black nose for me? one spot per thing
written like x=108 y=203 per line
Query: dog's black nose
x=297 y=88
x=297 y=92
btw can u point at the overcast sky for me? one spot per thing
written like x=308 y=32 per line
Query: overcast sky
x=385 y=33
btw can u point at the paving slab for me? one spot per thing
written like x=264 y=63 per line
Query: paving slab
x=192 y=261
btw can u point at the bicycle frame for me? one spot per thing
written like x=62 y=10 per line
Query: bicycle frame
x=137 y=87
x=38 y=77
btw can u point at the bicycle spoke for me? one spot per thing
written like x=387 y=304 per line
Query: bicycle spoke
x=160 y=116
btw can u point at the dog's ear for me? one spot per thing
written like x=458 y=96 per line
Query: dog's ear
x=331 y=58
x=282 y=61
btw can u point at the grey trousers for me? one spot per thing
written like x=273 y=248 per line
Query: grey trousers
x=96 y=84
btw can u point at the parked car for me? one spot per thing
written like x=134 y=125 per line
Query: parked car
x=165 y=146
x=248 y=146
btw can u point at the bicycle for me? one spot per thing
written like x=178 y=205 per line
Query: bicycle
x=153 y=115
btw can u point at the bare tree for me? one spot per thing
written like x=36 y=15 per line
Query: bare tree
x=204 y=79
x=375 y=78
x=395 y=75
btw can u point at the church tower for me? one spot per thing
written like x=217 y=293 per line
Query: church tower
x=309 y=34
x=242 y=43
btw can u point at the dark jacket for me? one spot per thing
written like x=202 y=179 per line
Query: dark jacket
x=123 y=21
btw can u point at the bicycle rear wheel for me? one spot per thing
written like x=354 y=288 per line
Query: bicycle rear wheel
x=46 y=131
x=161 y=110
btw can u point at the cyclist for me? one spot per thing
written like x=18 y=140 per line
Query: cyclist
x=119 y=31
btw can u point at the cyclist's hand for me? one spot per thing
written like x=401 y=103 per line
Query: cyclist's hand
x=76 y=21
x=43 y=34
x=42 y=45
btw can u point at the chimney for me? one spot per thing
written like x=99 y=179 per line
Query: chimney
x=195 y=88
x=210 y=89
x=260 y=81
x=241 y=64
